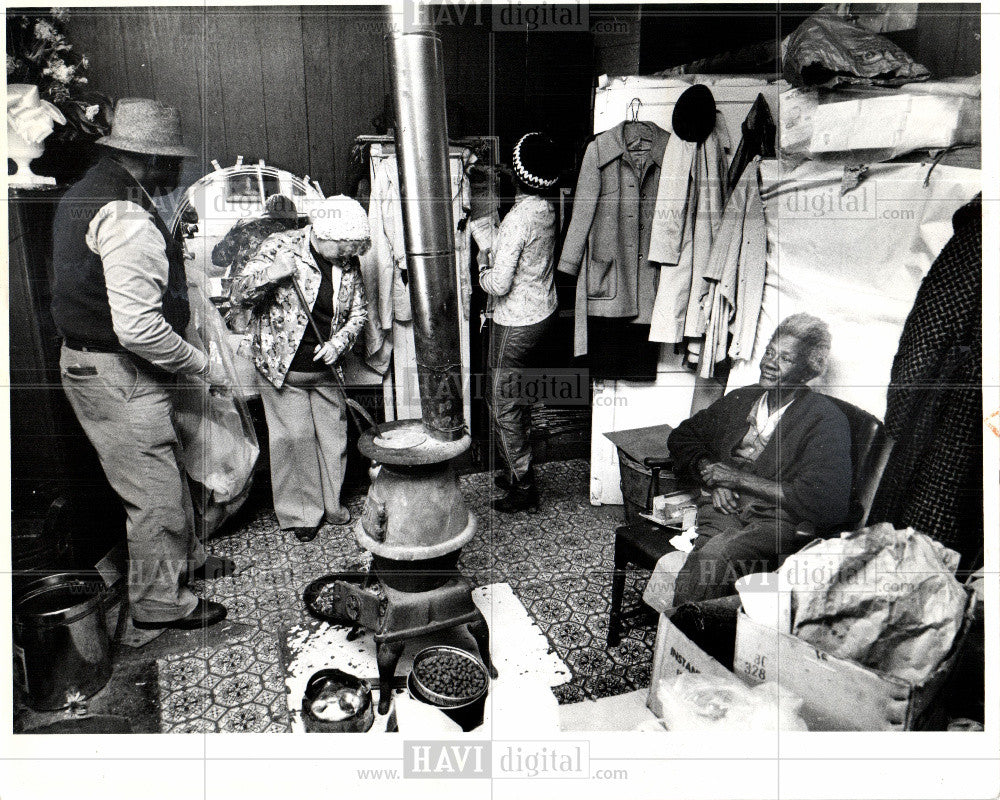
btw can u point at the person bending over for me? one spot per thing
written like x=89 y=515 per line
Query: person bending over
x=304 y=404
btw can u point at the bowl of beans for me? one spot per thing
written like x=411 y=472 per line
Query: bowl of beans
x=453 y=680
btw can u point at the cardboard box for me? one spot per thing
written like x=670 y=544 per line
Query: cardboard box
x=899 y=123
x=674 y=654
x=838 y=694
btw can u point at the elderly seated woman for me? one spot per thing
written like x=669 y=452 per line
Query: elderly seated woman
x=773 y=462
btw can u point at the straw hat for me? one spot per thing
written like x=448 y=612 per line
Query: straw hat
x=339 y=218
x=148 y=127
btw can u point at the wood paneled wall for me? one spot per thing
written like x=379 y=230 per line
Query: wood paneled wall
x=293 y=85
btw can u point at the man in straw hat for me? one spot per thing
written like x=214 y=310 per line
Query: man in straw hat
x=120 y=303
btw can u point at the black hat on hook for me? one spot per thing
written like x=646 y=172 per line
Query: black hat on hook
x=694 y=114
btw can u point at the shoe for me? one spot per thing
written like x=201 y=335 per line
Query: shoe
x=206 y=613
x=521 y=497
x=341 y=517
x=306 y=534
x=214 y=567
x=502 y=480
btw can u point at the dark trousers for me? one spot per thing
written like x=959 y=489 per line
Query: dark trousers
x=514 y=351
x=730 y=546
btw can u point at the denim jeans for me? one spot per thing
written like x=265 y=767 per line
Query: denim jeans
x=513 y=351
x=126 y=410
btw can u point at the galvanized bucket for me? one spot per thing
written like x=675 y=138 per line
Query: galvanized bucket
x=61 y=645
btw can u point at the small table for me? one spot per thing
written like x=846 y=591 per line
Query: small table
x=642 y=443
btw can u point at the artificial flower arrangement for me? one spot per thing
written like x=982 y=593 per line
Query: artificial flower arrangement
x=39 y=53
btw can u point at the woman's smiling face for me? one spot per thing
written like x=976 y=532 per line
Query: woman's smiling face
x=783 y=363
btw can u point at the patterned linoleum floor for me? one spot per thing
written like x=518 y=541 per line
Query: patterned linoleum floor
x=558 y=562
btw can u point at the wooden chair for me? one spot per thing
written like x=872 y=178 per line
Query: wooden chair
x=645 y=543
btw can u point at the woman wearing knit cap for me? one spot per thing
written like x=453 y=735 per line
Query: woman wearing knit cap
x=517 y=274
x=303 y=404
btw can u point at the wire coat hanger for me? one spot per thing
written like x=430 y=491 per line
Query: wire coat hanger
x=632 y=121
x=633 y=109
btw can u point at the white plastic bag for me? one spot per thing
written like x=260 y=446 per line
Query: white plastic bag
x=659 y=592
x=697 y=702
x=218 y=444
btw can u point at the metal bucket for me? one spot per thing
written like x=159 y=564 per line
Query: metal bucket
x=329 y=682
x=61 y=645
x=466 y=711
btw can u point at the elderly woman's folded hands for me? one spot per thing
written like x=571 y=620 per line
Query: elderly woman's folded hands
x=715 y=473
x=725 y=500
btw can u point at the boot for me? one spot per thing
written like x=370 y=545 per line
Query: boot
x=502 y=480
x=522 y=496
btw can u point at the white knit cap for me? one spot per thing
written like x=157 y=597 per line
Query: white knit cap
x=339 y=218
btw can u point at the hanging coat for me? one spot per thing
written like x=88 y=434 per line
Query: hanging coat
x=934 y=413
x=607 y=242
x=689 y=208
x=734 y=278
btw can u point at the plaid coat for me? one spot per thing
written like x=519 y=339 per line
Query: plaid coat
x=933 y=480
x=278 y=321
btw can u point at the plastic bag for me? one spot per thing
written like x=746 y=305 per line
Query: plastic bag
x=883 y=597
x=218 y=444
x=862 y=127
x=696 y=702
x=827 y=50
x=659 y=591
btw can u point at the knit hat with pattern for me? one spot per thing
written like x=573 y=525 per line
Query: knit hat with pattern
x=536 y=162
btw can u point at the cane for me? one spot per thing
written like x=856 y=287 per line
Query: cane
x=352 y=405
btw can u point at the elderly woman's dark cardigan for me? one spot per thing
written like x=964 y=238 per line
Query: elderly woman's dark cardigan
x=809 y=453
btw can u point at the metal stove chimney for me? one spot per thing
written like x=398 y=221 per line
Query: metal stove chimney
x=428 y=225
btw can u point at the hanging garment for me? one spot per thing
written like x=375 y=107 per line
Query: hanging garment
x=620 y=352
x=607 y=242
x=933 y=480
x=688 y=210
x=759 y=133
x=384 y=265
x=734 y=278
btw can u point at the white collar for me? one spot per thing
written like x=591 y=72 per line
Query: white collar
x=766 y=423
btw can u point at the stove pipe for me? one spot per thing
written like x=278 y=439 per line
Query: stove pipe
x=428 y=225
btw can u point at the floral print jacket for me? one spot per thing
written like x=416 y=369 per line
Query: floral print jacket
x=277 y=321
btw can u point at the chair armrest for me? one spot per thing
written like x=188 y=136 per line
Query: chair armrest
x=655 y=464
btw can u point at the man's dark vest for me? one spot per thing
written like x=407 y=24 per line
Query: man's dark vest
x=80 y=304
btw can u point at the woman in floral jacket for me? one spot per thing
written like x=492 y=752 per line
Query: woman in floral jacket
x=303 y=403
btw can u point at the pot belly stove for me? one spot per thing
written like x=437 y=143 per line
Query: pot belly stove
x=415 y=522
